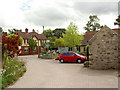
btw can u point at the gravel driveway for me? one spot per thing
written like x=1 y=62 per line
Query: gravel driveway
x=49 y=73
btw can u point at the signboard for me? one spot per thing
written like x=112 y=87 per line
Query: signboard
x=63 y=49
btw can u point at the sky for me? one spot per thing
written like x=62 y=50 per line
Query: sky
x=33 y=14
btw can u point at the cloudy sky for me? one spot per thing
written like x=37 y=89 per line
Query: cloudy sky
x=33 y=14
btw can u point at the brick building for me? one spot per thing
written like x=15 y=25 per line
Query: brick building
x=26 y=50
x=89 y=35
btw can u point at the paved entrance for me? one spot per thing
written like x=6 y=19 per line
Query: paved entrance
x=49 y=73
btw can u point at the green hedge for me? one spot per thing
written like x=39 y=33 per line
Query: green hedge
x=44 y=52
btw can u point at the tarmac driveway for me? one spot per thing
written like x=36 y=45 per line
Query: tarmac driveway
x=49 y=73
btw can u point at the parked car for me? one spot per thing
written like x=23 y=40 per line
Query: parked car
x=71 y=57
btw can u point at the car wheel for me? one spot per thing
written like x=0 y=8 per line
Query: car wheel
x=79 y=60
x=61 y=60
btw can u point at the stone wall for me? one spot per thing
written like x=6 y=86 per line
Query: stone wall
x=103 y=49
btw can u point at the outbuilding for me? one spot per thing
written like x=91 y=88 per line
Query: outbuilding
x=103 y=49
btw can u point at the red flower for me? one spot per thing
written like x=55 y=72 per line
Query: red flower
x=10 y=44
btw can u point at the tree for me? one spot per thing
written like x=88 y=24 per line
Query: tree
x=93 y=24
x=13 y=31
x=32 y=43
x=1 y=30
x=59 y=42
x=117 y=21
x=58 y=32
x=72 y=37
x=10 y=44
x=52 y=41
x=48 y=33
x=43 y=44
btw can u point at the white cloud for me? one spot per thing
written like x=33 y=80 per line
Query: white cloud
x=53 y=14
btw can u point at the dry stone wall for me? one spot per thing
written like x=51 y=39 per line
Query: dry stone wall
x=103 y=49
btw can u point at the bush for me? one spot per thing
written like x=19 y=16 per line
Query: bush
x=44 y=52
x=12 y=70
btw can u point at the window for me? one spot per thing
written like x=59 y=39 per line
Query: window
x=71 y=54
x=70 y=48
x=26 y=49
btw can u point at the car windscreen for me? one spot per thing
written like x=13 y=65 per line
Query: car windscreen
x=77 y=54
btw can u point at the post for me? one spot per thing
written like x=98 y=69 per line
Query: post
x=43 y=28
x=38 y=50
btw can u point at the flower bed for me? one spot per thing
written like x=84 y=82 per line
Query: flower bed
x=12 y=70
x=46 y=56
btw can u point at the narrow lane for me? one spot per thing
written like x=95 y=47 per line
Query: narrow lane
x=49 y=73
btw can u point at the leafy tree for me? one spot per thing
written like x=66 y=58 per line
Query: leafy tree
x=13 y=31
x=59 y=42
x=58 y=32
x=72 y=37
x=42 y=44
x=92 y=24
x=48 y=33
x=10 y=44
x=32 y=43
x=52 y=41
x=1 y=30
x=51 y=44
x=117 y=21
x=52 y=35
x=14 y=36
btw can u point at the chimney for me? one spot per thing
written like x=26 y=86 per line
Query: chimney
x=33 y=30
x=26 y=30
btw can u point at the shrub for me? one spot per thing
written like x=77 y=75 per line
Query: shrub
x=44 y=52
x=10 y=44
x=12 y=70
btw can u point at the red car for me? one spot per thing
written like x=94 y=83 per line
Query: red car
x=71 y=57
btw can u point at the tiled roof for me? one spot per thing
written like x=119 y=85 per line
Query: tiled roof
x=89 y=35
x=117 y=30
x=28 y=35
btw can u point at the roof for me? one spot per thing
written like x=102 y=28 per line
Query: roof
x=30 y=35
x=89 y=35
x=117 y=30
